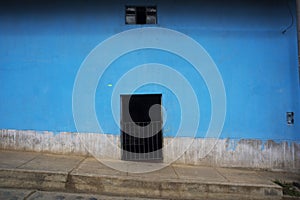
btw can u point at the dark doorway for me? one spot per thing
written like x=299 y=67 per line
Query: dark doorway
x=141 y=127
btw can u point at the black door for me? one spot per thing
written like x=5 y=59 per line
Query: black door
x=141 y=131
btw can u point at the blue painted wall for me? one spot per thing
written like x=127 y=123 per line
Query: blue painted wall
x=43 y=43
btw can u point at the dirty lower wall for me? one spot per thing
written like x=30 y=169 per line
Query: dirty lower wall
x=208 y=152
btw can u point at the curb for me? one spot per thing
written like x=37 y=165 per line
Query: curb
x=134 y=186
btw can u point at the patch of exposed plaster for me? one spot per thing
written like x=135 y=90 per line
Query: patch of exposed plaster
x=268 y=154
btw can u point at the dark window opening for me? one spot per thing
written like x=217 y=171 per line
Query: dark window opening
x=141 y=135
x=141 y=15
x=290 y=118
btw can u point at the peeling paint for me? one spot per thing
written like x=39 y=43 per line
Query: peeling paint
x=231 y=145
x=226 y=153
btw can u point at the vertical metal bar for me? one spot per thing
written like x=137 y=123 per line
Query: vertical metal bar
x=156 y=137
x=161 y=140
x=148 y=140
x=141 y=135
x=130 y=143
x=121 y=139
x=127 y=141
x=124 y=141
x=137 y=139
x=144 y=142
x=152 y=142
x=133 y=141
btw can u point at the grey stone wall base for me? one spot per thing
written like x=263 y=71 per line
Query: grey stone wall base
x=200 y=151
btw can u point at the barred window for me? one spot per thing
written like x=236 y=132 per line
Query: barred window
x=141 y=15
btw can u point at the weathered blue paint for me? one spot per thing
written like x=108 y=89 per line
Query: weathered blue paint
x=42 y=46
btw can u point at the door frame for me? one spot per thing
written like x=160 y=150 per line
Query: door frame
x=153 y=156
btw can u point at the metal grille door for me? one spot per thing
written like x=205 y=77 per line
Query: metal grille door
x=141 y=137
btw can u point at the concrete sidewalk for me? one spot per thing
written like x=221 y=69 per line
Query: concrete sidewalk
x=64 y=173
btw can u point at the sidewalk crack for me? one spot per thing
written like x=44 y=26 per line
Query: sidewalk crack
x=30 y=194
x=77 y=165
x=69 y=185
x=18 y=167
x=177 y=175
x=221 y=174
